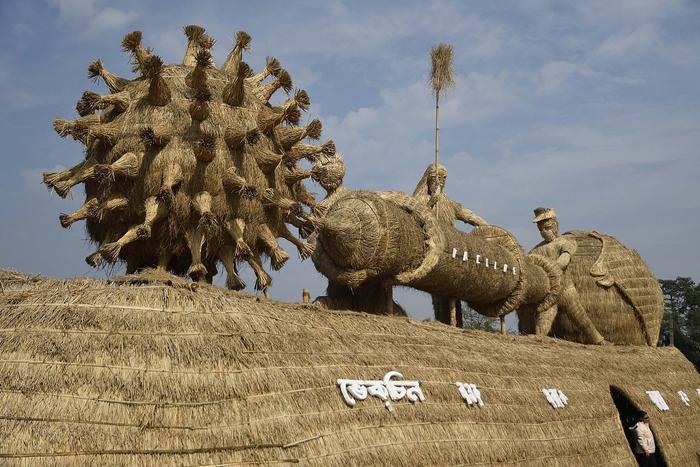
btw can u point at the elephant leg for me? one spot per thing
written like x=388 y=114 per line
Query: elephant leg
x=441 y=309
x=571 y=305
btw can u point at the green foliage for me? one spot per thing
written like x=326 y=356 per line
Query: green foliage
x=682 y=306
x=473 y=320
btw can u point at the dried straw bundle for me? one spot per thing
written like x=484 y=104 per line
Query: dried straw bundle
x=441 y=72
x=194 y=149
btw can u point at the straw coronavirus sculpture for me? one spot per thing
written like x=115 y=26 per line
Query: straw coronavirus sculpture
x=189 y=164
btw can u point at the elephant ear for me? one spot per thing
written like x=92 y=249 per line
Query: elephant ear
x=623 y=268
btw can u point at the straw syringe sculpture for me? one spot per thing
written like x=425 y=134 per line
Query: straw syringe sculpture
x=189 y=164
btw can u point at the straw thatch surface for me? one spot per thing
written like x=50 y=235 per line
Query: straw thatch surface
x=190 y=165
x=17 y=281
x=617 y=289
x=93 y=373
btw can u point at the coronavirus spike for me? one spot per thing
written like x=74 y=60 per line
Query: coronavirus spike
x=78 y=128
x=227 y=257
x=273 y=197
x=93 y=209
x=113 y=82
x=91 y=101
x=51 y=178
x=172 y=178
x=276 y=253
x=110 y=251
x=195 y=240
x=235 y=57
x=236 y=137
x=234 y=92
x=263 y=281
x=268 y=119
x=293 y=174
x=107 y=132
x=300 y=98
x=310 y=152
x=199 y=107
x=205 y=148
x=155 y=211
x=235 y=229
x=305 y=249
x=111 y=204
x=126 y=166
x=272 y=67
x=235 y=183
x=158 y=90
x=132 y=43
x=197 y=78
x=89 y=209
x=155 y=137
x=288 y=136
x=283 y=80
x=193 y=33
x=86 y=172
x=267 y=160
x=201 y=202
x=304 y=196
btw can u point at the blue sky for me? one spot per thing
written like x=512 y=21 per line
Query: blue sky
x=591 y=107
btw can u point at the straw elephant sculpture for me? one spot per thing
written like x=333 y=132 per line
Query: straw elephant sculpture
x=188 y=165
x=372 y=241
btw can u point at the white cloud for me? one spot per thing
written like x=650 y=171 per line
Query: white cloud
x=94 y=14
x=553 y=75
x=629 y=9
x=110 y=18
x=76 y=9
x=365 y=32
x=642 y=39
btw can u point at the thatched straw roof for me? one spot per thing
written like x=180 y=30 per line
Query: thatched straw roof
x=97 y=373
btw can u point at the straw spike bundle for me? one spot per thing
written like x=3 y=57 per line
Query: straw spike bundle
x=181 y=153
x=97 y=373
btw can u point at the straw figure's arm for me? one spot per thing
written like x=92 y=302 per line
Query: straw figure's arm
x=568 y=248
x=468 y=216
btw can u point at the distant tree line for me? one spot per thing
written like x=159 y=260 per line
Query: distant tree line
x=681 y=323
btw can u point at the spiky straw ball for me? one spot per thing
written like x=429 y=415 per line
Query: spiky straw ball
x=189 y=165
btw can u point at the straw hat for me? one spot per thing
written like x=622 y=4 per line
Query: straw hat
x=542 y=214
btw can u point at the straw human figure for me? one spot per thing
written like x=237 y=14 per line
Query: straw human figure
x=561 y=249
x=431 y=192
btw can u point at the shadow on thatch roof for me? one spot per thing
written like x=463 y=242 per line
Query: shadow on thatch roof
x=100 y=373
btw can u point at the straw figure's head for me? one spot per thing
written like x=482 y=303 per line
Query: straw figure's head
x=547 y=223
x=190 y=164
x=430 y=186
